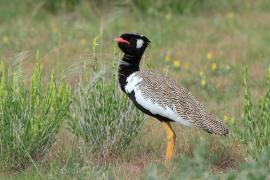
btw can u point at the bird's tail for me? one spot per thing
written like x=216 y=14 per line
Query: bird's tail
x=213 y=126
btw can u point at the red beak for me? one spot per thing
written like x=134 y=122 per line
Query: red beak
x=121 y=40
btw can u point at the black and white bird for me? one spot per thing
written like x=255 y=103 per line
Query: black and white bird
x=159 y=96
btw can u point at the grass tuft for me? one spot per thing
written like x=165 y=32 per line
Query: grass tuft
x=29 y=120
x=256 y=119
x=102 y=115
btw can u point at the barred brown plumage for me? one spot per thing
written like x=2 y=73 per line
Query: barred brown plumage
x=158 y=95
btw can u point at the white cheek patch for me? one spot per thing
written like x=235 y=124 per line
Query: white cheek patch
x=139 y=43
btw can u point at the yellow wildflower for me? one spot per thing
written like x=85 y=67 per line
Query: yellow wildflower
x=5 y=39
x=201 y=73
x=226 y=118
x=230 y=15
x=82 y=41
x=167 y=58
x=168 y=16
x=54 y=29
x=209 y=55
x=203 y=82
x=176 y=63
x=214 y=66
x=186 y=66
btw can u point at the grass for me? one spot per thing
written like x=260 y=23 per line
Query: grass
x=255 y=132
x=103 y=116
x=29 y=119
x=235 y=35
x=201 y=167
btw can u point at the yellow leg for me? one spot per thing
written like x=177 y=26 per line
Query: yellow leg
x=171 y=137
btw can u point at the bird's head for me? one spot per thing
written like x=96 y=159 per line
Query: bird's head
x=132 y=44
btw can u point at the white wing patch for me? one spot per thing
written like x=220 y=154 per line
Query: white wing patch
x=139 y=43
x=132 y=82
x=155 y=108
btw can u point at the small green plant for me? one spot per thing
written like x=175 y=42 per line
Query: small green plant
x=102 y=115
x=256 y=119
x=201 y=166
x=29 y=118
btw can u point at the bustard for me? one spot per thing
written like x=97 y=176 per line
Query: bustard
x=159 y=96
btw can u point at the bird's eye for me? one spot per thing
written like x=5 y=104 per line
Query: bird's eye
x=139 y=43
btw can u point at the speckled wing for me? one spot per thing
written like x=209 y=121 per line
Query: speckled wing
x=167 y=98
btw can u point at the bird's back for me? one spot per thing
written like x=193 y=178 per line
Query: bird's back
x=168 y=98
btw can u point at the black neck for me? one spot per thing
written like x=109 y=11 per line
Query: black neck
x=128 y=65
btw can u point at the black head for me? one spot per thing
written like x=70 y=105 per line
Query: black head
x=132 y=44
